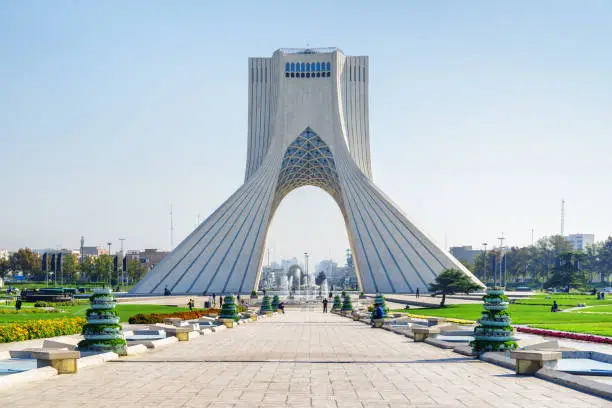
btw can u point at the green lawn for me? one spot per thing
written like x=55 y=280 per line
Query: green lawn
x=595 y=309
x=532 y=315
x=570 y=300
x=124 y=311
x=602 y=329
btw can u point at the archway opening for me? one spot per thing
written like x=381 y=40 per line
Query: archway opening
x=308 y=230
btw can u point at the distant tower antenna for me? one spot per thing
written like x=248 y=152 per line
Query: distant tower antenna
x=171 y=230
x=562 y=215
x=82 y=249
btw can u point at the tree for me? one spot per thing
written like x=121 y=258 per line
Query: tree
x=102 y=267
x=25 y=261
x=69 y=267
x=567 y=272
x=135 y=270
x=604 y=259
x=5 y=266
x=87 y=269
x=320 y=278
x=451 y=281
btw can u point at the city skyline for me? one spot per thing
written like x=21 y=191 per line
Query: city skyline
x=506 y=125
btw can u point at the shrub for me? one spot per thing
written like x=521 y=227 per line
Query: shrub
x=26 y=311
x=150 y=318
x=566 y=335
x=41 y=303
x=40 y=329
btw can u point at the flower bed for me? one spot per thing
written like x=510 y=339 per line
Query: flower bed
x=27 y=311
x=566 y=335
x=150 y=318
x=40 y=329
x=448 y=319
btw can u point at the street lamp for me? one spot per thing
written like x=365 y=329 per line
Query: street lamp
x=110 y=264
x=484 y=273
x=501 y=256
x=122 y=256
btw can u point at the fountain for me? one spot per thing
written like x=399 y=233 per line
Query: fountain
x=324 y=288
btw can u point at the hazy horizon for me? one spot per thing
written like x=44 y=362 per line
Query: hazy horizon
x=483 y=116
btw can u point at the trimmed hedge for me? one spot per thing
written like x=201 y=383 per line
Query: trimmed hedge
x=40 y=329
x=41 y=303
x=150 y=318
x=26 y=311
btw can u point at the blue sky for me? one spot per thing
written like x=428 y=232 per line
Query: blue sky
x=483 y=116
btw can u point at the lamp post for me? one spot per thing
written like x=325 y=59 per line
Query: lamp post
x=110 y=264
x=501 y=256
x=122 y=271
x=484 y=272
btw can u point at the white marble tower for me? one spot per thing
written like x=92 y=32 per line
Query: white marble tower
x=308 y=125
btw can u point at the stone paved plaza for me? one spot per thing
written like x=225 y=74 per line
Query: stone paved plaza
x=302 y=359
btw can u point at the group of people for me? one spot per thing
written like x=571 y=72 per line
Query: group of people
x=601 y=296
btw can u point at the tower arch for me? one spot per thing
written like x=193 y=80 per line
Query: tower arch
x=304 y=131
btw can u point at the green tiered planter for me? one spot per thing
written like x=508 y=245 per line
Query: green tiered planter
x=347 y=306
x=102 y=331
x=337 y=303
x=494 y=331
x=266 y=308
x=228 y=312
x=379 y=300
x=275 y=302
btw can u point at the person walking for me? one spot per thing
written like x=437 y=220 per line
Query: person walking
x=191 y=303
x=214 y=300
x=418 y=293
x=324 y=305
x=18 y=304
x=220 y=300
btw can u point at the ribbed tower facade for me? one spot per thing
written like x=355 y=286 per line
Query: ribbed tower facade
x=308 y=125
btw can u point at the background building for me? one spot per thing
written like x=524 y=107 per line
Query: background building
x=580 y=241
x=465 y=253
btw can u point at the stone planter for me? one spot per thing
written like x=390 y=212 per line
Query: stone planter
x=229 y=323
x=421 y=333
x=379 y=323
x=528 y=362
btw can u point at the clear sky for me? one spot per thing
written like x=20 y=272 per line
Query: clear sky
x=483 y=116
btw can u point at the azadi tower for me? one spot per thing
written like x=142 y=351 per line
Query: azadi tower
x=308 y=126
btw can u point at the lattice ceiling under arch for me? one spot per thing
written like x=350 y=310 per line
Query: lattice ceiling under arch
x=308 y=162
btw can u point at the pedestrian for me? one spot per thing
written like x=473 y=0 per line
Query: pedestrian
x=214 y=300
x=418 y=293
x=191 y=303
x=238 y=298
x=281 y=307
x=18 y=304
x=324 y=305
x=221 y=300
x=555 y=307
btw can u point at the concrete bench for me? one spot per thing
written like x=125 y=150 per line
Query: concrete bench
x=434 y=321
x=378 y=323
x=172 y=320
x=229 y=323
x=528 y=362
x=64 y=361
x=421 y=333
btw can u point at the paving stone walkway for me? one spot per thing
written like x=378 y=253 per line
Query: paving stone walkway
x=302 y=359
